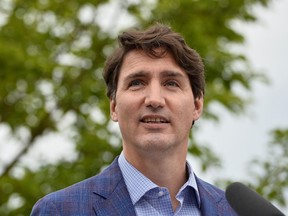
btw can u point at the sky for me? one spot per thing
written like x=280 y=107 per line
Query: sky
x=237 y=139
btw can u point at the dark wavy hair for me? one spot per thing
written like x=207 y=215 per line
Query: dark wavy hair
x=157 y=36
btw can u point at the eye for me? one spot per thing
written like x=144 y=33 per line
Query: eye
x=136 y=83
x=171 y=83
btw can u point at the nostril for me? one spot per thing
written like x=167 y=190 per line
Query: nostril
x=155 y=102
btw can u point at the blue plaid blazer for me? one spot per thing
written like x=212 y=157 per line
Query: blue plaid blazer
x=106 y=194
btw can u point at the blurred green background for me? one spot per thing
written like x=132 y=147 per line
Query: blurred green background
x=51 y=58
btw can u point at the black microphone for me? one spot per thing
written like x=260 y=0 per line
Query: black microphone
x=247 y=202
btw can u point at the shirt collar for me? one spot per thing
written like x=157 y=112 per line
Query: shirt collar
x=191 y=182
x=138 y=184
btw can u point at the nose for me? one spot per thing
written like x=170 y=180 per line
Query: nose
x=154 y=96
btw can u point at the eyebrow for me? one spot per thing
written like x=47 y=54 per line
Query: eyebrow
x=165 y=73
x=136 y=75
x=169 y=73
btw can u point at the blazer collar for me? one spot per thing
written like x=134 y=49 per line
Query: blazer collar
x=112 y=194
x=213 y=202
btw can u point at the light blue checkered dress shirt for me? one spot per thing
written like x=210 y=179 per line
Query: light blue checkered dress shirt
x=150 y=199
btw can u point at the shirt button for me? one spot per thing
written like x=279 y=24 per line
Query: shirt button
x=161 y=193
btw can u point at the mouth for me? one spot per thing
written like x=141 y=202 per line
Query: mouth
x=154 y=120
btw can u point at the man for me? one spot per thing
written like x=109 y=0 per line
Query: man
x=155 y=83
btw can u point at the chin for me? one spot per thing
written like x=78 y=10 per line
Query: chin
x=156 y=145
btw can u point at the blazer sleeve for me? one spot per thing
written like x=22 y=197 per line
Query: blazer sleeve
x=45 y=207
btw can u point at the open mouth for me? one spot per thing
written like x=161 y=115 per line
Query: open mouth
x=154 y=120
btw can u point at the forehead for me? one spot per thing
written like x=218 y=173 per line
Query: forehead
x=137 y=61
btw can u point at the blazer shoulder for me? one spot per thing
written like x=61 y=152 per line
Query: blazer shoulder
x=82 y=196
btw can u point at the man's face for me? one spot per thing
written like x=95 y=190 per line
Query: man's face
x=154 y=104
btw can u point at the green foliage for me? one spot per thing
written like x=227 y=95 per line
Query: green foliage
x=51 y=58
x=271 y=174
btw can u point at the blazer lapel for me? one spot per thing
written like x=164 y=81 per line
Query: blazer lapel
x=210 y=199
x=112 y=196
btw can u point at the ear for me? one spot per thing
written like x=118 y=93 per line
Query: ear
x=113 y=112
x=198 y=108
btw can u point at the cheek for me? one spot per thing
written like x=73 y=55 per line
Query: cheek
x=186 y=114
x=186 y=118
x=125 y=108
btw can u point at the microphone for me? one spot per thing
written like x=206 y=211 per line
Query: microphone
x=247 y=202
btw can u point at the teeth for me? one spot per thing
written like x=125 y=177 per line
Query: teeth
x=154 y=120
